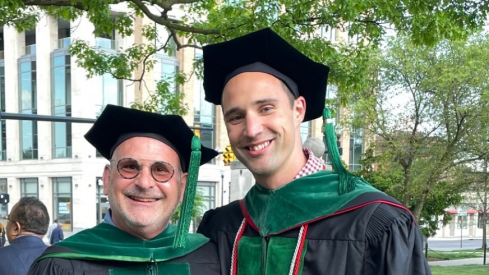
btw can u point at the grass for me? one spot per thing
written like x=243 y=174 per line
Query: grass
x=462 y=269
x=454 y=255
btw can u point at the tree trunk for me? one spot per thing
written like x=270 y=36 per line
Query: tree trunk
x=420 y=205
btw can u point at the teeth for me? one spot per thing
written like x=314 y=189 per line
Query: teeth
x=259 y=147
x=143 y=199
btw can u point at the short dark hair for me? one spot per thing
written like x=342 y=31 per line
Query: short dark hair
x=32 y=215
x=55 y=220
x=289 y=93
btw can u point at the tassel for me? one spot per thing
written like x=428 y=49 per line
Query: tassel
x=346 y=180
x=187 y=208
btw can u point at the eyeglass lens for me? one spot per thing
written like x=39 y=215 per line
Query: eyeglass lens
x=130 y=168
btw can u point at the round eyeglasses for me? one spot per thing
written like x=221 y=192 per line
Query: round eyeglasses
x=130 y=168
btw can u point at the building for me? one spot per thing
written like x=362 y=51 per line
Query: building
x=52 y=160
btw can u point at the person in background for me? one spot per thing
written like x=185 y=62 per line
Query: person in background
x=56 y=235
x=51 y=228
x=27 y=224
x=298 y=218
x=2 y=235
x=153 y=165
x=316 y=145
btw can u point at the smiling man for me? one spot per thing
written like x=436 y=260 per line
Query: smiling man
x=297 y=218
x=153 y=166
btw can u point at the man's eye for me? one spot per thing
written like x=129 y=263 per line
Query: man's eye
x=130 y=167
x=235 y=118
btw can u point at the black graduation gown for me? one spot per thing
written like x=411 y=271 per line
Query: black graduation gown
x=370 y=236
x=105 y=249
x=202 y=261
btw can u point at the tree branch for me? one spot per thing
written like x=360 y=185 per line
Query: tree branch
x=169 y=23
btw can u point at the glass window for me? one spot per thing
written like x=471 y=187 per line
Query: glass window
x=356 y=149
x=166 y=69
x=102 y=200
x=62 y=202
x=208 y=192
x=29 y=139
x=29 y=187
x=161 y=39
x=28 y=105
x=204 y=113
x=3 y=129
x=3 y=186
x=61 y=104
x=111 y=93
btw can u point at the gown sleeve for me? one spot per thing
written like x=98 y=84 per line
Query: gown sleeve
x=205 y=226
x=51 y=266
x=394 y=246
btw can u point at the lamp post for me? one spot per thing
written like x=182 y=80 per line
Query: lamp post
x=222 y=187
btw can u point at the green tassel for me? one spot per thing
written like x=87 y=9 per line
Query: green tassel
x=189 y=196
x=347 y=181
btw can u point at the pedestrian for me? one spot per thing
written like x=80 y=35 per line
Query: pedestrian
x=56 y=235
x=298 y=218
x=153 y=166
x=51 y=228
x=2 y=235
x=27 y=223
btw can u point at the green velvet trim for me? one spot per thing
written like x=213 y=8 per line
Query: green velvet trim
x=298 y=202
x=107 y=242
x=163 y=268
x=249 y=256
x=275 y=257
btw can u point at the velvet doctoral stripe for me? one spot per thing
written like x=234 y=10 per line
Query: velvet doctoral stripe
x=298 y=202
x=107 y=242
x=274 y=255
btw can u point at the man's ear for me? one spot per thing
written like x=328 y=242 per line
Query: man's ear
x=299 y=109
x=106 y=178
x=17 y=229
x=183 y=184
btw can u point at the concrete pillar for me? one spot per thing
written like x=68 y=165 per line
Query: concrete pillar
x=14 y=44
x=85 y=91
x=46 y=36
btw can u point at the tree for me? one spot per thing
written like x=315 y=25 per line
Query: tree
x=389 y=174
x=421 y=112
x=298 y=21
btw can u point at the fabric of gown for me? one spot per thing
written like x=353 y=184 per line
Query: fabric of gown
x=370 y=235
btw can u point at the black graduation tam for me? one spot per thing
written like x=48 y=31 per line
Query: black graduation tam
x=116 y=121
x=221 y=61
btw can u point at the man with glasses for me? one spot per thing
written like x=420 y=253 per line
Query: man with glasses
x=153 y=166
x=27 y=224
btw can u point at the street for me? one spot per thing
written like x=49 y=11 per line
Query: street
x=453 y=244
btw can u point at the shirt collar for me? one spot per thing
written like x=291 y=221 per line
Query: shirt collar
x=313 y=164
x=108 y=217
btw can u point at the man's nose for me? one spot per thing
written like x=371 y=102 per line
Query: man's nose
x=253 y=126
x=145 y=179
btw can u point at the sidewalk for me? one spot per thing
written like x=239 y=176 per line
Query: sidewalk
x=460 y=262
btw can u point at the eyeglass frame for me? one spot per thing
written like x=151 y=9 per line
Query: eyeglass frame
x=140 y=168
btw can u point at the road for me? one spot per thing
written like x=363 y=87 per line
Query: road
x=454 y=244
